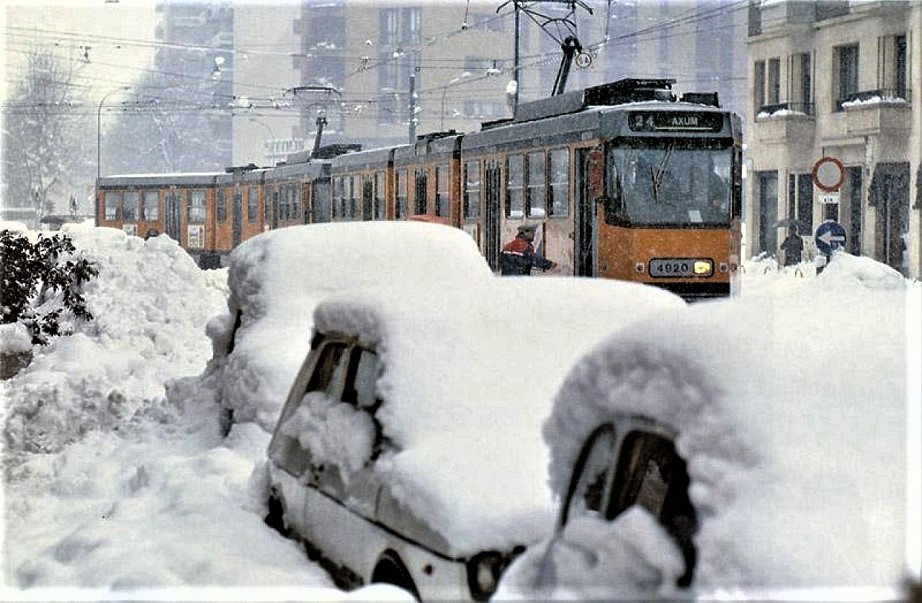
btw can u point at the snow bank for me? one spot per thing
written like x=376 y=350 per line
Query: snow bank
x=276 y=279
x=150 y=303
x=791 y=413
x=469 y=375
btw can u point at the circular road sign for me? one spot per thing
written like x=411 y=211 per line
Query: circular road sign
x=829 y=236
x=583 y=60
x=828 y=174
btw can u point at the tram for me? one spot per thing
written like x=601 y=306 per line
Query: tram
x=625 y=180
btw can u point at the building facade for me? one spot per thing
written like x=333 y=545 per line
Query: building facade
x=839 y=80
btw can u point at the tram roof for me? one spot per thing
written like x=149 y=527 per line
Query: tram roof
x=165 y=179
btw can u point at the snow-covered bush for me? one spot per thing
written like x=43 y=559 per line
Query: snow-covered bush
x=41 y=281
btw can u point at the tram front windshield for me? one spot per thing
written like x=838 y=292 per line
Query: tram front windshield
x=671 y=182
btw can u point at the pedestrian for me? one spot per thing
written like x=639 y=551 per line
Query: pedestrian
x=793 y=247
x=518 y=256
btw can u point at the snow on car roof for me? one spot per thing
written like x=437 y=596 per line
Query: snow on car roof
x=791 y=413
x=277 y=278
x=468 y=380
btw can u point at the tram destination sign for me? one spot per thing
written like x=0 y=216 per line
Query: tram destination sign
x=675 y=121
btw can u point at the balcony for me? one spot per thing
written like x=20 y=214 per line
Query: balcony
x=873 y=111
x=787 y=122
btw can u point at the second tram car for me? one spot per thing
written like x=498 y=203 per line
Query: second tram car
x=623 y=180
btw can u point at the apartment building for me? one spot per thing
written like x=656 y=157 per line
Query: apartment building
x=837 y=79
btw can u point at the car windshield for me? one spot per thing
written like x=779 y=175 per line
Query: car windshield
x=671 y=182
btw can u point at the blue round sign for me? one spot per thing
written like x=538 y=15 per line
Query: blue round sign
x=829 y=236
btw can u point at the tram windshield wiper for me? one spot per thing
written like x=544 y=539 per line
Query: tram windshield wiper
x=656 y=175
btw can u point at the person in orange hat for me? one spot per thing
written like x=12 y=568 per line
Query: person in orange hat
x=518 y=256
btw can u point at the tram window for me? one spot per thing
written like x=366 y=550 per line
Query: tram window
x=197 y=207
x=401 y=197
x=130 y=205
x=472 y=190
x=354 y=205
x=113 y=205
x=379 y=196
x=267 y=212
x=221 y=206
x=536 y=186
x=515 y=201
x=442 y=204
x=295 y=202
x=559 y=172
x=150 y=209
x=252 y=204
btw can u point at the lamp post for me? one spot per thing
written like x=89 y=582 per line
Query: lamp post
x=450 y=83
x=99 y=129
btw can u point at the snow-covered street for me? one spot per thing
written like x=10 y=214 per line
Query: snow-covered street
x=115 y=489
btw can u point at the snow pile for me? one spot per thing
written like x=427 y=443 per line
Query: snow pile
x=798 y=461
x=148 y=298
x=468 y=378
x=277 y=278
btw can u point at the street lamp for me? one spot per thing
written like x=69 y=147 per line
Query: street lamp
x=450 y=83
x=99 y=129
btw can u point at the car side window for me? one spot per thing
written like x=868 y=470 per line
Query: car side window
x=360 y=389
x=286 y=450
x=651 y=474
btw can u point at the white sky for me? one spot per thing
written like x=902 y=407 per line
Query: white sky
x=120 y=36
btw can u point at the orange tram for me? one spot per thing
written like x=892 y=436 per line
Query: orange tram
x=624 y=180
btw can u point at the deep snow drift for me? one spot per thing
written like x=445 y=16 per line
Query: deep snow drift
x=113 y=484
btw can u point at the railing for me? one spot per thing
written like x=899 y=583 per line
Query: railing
x=802 y=108
x=880 y=95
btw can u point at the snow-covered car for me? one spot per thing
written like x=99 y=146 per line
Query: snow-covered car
x=749 y=449
x=409 y=449
x=276 y=279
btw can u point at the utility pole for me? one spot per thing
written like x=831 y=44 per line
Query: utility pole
x=412 y=107
x=515 y=60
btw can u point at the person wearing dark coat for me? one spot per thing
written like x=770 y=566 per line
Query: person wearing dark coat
x=518 y=256
x=793 y=247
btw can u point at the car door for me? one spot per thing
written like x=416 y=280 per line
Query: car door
x=298 y=474
x=350 y=484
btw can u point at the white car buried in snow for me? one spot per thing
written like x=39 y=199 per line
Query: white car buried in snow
x=750 y=449
x=409 y=449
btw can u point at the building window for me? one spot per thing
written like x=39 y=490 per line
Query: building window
x=197 y=207
x=515 y=195
x=113 y=206
x=805 y=201
x=442 y=200
x=150 y=210
x=536 y=186
x=471 y=190
x=130 y=205
x=893 y=65
x=801 y=79
x=221 y=207
x=773 y=91
x=559 y=171
x=252 y=204
x=412 y=25
x=388 y=28
x=845 y=74
x=758 y=78
x=401 y=198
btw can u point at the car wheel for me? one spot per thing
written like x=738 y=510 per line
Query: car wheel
x=390 y=570
x=275 y=518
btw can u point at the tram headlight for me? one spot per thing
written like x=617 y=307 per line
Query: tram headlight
x=703 y=267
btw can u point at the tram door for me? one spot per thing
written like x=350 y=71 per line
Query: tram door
x=584 y=235
x=237 y=224
x=172 y=216
x=492 y=184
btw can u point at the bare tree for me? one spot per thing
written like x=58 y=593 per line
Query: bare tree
x=44 y=133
